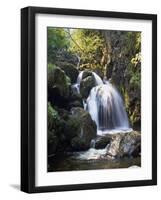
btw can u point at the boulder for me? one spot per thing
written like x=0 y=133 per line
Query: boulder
x=86 y=85
x=102 y=141
x=70 y=70
x=86 y=130
x=57 y=141
x=59 y=87
x=130 y=144
x=75 y=97
x=69 y=131
x=125 y=145
x=86 y=73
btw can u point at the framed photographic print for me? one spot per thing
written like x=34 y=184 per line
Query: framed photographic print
x=88 y=99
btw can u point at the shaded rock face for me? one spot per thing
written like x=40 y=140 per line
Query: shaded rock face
x=76 y=103
x=86 y=85
x=70 y=131
x=86 y=73
x=70 y=70
x=53 y=142
x=101 y=142
x=75 y=99
x=59 y=87
x=86 y=131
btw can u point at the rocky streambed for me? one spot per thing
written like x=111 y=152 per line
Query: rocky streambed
x=110 y=151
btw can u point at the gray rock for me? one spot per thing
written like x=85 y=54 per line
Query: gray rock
x=102 y=141
x=86 y=85
x=70 y=70
x=125 y=144
x=86 y=130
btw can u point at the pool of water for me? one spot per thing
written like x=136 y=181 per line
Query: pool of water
x=89 y=160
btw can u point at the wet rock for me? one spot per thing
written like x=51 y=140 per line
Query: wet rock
x=86 y=130
x=134 y=166
x=102 y=141
x=86 y=85
x=75 y=98
x=86 y=73
x=114 y=147
x=125 y=144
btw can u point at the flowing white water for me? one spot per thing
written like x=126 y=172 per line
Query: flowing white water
x=92 y=154
x=75 y=87
x=79 y=77
x=98 y=80
x=105 y=106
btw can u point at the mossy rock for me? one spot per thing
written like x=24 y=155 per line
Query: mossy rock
x=53 y=117
x=70 y=70
x=59 y=87
x=86 y=131
x=58 y=80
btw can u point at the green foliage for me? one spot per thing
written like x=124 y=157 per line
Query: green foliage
x=51 y=66
x=132 y=42
x=132 y=50
x=135 y=79
x=88 y=44
x=134 y=71
x=57 y=38
x=53 y=117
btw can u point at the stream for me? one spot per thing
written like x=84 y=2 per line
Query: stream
x=78 y=161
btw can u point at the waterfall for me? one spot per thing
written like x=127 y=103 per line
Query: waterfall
x=105 y=106
x=79 y=79
x=75 y=87
x=98 y=80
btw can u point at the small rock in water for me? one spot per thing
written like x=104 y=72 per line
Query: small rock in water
x=134 y=166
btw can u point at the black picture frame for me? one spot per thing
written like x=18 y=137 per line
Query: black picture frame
x=28 y=98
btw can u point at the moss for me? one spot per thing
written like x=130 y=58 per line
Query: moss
x=127 y=100
x=53 y=117
x=51 y=66
x=58 y=79
x=69 y=69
